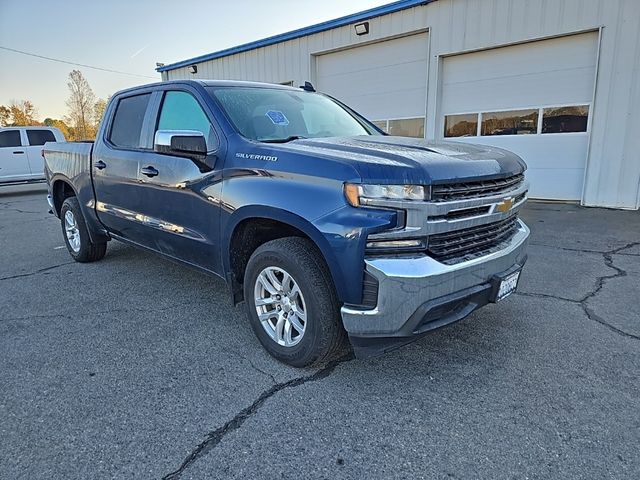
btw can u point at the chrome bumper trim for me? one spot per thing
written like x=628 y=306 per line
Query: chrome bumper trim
x=406 y=283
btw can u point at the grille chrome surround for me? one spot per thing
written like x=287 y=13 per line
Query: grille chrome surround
x=456 y=245
x=469 y=190
x=464 y=228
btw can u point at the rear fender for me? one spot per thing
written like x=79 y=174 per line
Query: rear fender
x=83 y=189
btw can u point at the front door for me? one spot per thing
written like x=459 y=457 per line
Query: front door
x=181 y=215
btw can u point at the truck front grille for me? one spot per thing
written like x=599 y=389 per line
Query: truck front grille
x=459 y=245
x=468 y=190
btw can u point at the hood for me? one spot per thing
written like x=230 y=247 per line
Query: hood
x=401 y=160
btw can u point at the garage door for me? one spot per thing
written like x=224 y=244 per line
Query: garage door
x=384 y=81
x=534 y=99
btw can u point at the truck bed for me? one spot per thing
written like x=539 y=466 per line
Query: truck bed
x=69 y=159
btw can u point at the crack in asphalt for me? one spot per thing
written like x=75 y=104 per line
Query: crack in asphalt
x=42 y=270
x=258 y=369
x=546 y=295
x=596 y=318
x=600 y=283
x=73 y=315
x=569 y=249
x=621 y=251
x=37 y=317
x=213 y=438
x=253 y=365
x=11 y=209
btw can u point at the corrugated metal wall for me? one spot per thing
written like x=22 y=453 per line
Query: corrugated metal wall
x=458 y=26
x=292 y=60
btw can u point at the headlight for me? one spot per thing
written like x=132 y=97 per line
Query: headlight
x=355 y=193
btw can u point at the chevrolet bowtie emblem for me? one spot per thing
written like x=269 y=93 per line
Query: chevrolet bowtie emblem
x=505 y=205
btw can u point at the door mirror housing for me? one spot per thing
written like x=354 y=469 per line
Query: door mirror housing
x=182 y=143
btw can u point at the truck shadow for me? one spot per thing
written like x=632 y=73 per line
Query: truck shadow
x=482 y=337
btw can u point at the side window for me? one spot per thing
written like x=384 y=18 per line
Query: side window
x=40 y=137
x=181 y=111
x=127 y=122
x=10 y=138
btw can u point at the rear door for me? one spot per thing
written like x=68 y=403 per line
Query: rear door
x=14 y=163
x=181 y=215
x=36 y=138
x=114 y=166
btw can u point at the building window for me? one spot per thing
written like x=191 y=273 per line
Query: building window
x=461 y=125
x=381 y=124
x=516 y=122
x=407 y=127
x=565 y=119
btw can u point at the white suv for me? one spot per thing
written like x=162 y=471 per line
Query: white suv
x=21 y=152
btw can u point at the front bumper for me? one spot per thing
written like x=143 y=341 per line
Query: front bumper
x=418 y=294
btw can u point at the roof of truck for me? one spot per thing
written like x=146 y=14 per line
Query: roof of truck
x=209 y=83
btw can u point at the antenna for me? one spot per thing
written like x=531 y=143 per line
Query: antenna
x=307 y=87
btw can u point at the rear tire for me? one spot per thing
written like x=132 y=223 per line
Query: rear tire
x=76 y=234
x=289 y=276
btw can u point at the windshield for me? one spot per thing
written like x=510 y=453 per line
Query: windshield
x=279 y=115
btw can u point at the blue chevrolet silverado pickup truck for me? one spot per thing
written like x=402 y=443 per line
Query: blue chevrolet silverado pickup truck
x=323 y=225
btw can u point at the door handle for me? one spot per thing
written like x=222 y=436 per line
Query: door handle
x=18 y=152
x=100 y=165
x=149 y=171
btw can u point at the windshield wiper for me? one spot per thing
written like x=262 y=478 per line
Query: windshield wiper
x=283 y=140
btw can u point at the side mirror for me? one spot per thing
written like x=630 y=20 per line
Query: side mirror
x=182 y=143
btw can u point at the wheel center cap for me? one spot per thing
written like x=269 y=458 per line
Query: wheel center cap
x=286 y=304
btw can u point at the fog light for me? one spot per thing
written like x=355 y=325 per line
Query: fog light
x=394 y=244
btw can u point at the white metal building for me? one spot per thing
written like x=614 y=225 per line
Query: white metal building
x=556 y=81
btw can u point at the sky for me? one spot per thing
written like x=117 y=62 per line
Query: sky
x=131 y=36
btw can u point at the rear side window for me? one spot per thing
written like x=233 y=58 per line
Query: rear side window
x=40 y=137
x=127 y=122
x=10 y=138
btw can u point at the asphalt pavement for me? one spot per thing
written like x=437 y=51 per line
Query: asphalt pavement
x=134 y=367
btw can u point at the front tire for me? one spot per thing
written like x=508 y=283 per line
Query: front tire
x=76 y=235
x=291 y=302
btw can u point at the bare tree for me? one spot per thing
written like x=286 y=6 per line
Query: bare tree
x=81 y=105
x=98 y=111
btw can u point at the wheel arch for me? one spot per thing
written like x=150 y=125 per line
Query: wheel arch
x=260 y=225
x=61 y=189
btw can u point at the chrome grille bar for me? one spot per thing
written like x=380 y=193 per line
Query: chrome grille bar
x=463 y=190
x=462 y=242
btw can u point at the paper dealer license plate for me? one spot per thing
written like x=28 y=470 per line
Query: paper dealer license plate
x=508 y=285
